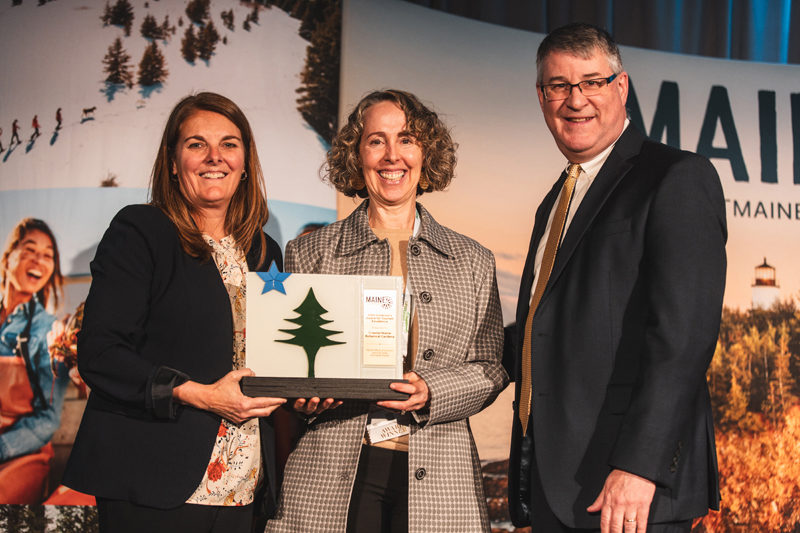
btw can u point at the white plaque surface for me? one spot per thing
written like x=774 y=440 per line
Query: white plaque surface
x=323 y=326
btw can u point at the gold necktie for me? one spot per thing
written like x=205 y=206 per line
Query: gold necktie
x=550 y=249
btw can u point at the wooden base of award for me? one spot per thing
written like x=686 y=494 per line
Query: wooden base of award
x=337 y=388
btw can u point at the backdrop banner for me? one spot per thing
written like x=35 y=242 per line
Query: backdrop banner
x=84 y=96
x=744 y=116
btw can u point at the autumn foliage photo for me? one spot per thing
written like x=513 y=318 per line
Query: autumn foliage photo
x=754 y=381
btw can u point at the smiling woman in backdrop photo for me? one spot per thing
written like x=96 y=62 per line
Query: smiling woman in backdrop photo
x=32 y=385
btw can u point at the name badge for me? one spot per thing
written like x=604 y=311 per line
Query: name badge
x=385 y=425
x=385 y=430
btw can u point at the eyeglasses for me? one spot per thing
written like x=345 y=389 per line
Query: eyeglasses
x=561 y=91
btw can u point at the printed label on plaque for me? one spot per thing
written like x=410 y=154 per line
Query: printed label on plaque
x=380 y=327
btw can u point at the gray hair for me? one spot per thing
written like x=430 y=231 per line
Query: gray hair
x=582 y=40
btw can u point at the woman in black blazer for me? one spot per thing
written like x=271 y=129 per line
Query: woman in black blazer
x=168 y=442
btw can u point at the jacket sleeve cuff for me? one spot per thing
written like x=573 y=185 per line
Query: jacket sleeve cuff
x=421 y=416
x=159 y=392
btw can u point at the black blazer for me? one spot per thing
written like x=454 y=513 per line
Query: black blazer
x=623 y=336
x=154 y=317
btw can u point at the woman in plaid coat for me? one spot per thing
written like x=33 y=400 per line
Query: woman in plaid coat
x=427 y=477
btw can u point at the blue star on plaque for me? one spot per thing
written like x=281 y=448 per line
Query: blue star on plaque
x=273 y=279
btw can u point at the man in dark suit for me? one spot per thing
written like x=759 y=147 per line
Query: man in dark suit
x=618 y=314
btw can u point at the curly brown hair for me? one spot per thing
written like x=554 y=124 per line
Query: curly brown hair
x=247 y=212
x=343 y=167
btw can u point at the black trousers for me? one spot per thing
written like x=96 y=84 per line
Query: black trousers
x=118 y=516
x=379 y=503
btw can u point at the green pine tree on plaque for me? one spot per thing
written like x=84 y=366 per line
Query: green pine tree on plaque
x=310 y=336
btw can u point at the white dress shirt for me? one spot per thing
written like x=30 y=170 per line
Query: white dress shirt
x=589 y=171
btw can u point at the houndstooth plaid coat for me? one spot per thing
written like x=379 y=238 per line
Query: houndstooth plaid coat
x=460 y=344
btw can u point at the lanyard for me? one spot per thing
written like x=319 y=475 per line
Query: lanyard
x=381 y=423
x=408 y=302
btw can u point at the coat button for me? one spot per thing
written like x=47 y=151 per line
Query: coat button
x=425 y=297
x=420 y=473
x=415 y=249
x=427 y=354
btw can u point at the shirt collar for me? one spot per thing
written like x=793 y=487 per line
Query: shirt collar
x=357 y=233
x=592 y=167
x=224 y=244
x=22 y=308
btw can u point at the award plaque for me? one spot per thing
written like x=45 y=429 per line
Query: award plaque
x=324 y=335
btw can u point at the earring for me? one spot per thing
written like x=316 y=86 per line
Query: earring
x=244 y=176
x=423 y=182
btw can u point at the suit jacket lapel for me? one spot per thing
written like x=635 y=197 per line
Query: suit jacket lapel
x=614 y=169
x=540 y=223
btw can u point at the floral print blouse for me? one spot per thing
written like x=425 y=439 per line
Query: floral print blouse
x=234 y=468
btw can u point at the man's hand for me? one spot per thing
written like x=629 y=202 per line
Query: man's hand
x=624 y=503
